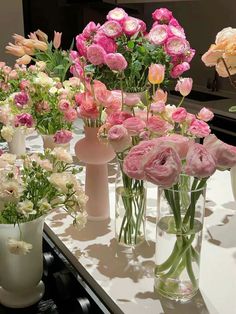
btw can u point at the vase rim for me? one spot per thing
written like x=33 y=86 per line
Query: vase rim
x=42 y=217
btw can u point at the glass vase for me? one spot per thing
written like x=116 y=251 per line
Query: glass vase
x=179 y=238
x=130 y=209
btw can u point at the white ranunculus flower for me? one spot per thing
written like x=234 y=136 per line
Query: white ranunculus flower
x=26 y=208
x=44 y=206
x=61 y=180
x=225 y=34
x=7 y=133
x=44 y=80
x=81 y=220
x=53 y=90
x=62 y=155
x=18 y=247
x=10 y=191
x=44 y=163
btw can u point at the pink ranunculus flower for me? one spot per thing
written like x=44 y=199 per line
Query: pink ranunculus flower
x=24 y=84
x=132 y=165
x=199 y=128
x=63 y=105
x=157 y=107
x=142 y=26
x=13 y=75
x=175 y=46
x=112 y=29
x=130 y=26
x=134 y=125
x=113 y=102
x=144 y=136
x=160 y=95
x=174 y=22
x=117 y=14
x=179 y=69
x=131 y=99
x=24 y=119
x=119 y=138
x=96 y=54
x=77 y=70
x=107 y=43
x=179 y=115
x=118 y=117
x=101 y=92
x=179 y=142
x=224 y=154
x=70 y=115
x=184 y=86
x=87 y=107
x=188 y=55
x=159 y=126
x=199 y=162
x=205 y=114
x=62 y=137
x=116 y=61
x=90 y=29
x=162 y=15
x=81 y=46
x=21 y=99
x=74 y=55
x=176 y=31
x=190 y=118
x=162 y=165
x=158 y=34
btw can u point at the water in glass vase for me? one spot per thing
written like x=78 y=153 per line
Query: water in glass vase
x=177 y=272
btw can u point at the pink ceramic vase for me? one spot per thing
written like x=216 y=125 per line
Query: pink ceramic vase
x=95 y=155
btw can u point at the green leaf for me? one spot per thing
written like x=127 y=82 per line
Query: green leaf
x=130 y=44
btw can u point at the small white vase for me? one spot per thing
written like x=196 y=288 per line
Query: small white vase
x=48 y=142
x=233 y=180
x=20 y=275
x=17 y=145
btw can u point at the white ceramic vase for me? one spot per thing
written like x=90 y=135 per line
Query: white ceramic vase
x=17 y=145
x=233 y=180
x=20 y=275
x=48 y=142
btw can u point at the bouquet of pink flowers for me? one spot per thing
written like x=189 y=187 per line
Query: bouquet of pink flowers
x=122 y=50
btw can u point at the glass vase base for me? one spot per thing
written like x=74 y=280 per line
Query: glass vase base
x=22 y=299
x=133 y=243
x=174 y=290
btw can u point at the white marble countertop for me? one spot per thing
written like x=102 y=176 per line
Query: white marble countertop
x=124 y=279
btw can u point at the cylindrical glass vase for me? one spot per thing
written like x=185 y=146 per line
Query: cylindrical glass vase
x=179 y=239
x=130 y=210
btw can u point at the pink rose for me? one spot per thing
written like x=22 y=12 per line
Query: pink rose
x=177 y=31
x=159 y=126
x=131 y=99
x=158 y=34
x=132 y=164
x=199 y=162
x=179 y=69
x=175 y=46
x=199 y=128
x=179 y=115
x=130 y=26
x=117 y=14
x=179 y=142
x=115 y=61
x=184 y=86
x=223 y=154
x=21 y=99
x=112 y=29
x=24 y=119
x=160 y=95
x=90 y=29
x=118 y=117
x=108 y=44
x=62 y=137
x=134 y=125
x=157 y=107
x=70 y=115
x=162 y=15
x=63 y=105
x=119 y=138
x=81 y=46
x=205 y=114
x=162 y=166
x=96 y=54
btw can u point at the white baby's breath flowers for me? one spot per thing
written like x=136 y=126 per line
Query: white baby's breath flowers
x=62 y=155
x=26 y=208
x=18 y=247
x=7 y=133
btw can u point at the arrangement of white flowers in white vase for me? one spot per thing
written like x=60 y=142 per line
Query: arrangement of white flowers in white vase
x=29 y=189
